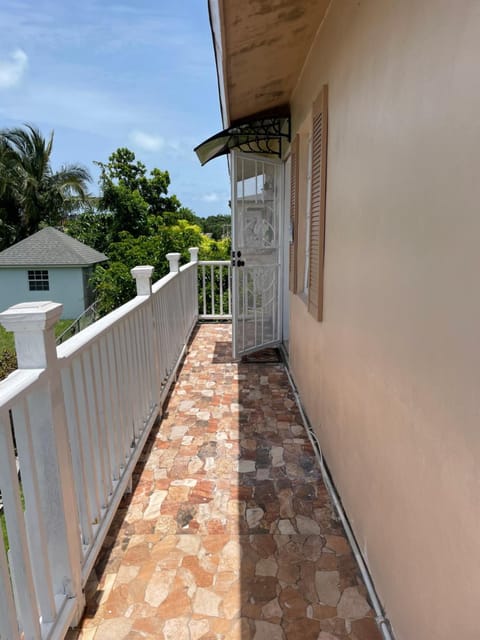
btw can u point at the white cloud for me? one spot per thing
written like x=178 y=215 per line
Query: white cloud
x=54 y=105
x=211 y=197
x=146 y=141
x=12 y=69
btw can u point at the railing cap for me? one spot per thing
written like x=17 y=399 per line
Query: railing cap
x=142 y=271
x=31 y=316
x=173 y=260
x=143 y=278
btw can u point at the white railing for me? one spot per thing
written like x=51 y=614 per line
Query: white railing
x=78 y=417
x=215 y=289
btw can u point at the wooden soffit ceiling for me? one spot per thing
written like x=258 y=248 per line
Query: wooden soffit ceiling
x=261 y=46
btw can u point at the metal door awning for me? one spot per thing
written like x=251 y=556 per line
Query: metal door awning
x=260 y=134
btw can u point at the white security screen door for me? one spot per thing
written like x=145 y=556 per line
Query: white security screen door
x=257 y=193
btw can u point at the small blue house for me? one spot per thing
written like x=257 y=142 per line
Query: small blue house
x=49 y=265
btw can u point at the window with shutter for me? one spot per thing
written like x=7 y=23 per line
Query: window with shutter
x=317 y=205
x=306 y=270
x=293 y=266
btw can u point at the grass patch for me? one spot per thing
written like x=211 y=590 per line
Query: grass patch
x=3 y=524
x=3 y=527
x=61 y=326
x=7 y=342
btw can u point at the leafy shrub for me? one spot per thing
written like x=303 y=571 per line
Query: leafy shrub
x=8 y=363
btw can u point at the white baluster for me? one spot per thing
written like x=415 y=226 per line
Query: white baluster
x=33 y=325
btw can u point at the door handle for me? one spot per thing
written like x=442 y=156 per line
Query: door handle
x=237 y=263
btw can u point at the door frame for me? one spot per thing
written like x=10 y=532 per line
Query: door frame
x=282 y=274
x=287 y=232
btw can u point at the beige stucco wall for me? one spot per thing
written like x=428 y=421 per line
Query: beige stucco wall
x=391 y=378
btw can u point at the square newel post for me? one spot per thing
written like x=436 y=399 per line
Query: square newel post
x=193 y=254
x=174 y=261
x=43 y=438
x=32 y=324
x=143 y=277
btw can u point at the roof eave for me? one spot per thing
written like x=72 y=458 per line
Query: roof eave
x=217 y=26
x=42 y=265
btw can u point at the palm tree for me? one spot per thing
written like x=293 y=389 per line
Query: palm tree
x=8 y=204
x=41 y=195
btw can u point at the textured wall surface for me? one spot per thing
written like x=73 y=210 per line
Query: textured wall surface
x=390 y=378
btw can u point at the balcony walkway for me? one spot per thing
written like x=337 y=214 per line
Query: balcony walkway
x=229 y=532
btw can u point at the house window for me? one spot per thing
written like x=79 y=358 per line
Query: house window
x=38 y=280
x=318 y=195
x=307 y=218
x=293 y=215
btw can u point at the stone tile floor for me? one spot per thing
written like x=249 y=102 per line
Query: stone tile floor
x=229 y=533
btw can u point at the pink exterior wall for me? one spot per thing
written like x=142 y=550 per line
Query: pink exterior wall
x=390 y=379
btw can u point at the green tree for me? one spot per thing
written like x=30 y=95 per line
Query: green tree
x=113 y=286
x=91 y=227
x=8 y=204
x=139 y=223
x=182 y=213
x=113 y=283
x=31 y=191
x=127 y=208
x=131 y=194
x=219 y=226
x=155 y=189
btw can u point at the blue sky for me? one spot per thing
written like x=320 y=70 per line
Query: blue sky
x=105 y=74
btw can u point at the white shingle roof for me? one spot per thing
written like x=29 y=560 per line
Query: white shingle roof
x=49 y=247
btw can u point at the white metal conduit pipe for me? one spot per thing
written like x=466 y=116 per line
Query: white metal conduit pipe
x=380 y=617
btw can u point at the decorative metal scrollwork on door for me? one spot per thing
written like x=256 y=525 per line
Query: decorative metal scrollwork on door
x=256 y=223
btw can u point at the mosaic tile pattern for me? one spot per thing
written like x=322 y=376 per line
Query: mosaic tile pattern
x=229 y=533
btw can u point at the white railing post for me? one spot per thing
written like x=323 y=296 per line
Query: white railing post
x=174 y=261
x=143 y=278
x=195 y=289
x=33 y=325
x=193 y=254
x=147 y=357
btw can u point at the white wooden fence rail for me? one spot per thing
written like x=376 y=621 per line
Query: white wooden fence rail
x=78 y=417
x=215 y=297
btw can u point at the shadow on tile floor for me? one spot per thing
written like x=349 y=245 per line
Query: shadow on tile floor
x=229 y=533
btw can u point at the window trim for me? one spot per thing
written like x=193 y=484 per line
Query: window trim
x=318 y=194
x=38 y=280
x=293 y=248
x=308 y=210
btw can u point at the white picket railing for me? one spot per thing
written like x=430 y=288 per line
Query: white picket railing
x=78 y=417
x=215 y=289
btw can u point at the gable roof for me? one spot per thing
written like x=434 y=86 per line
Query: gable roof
x=49 y=247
